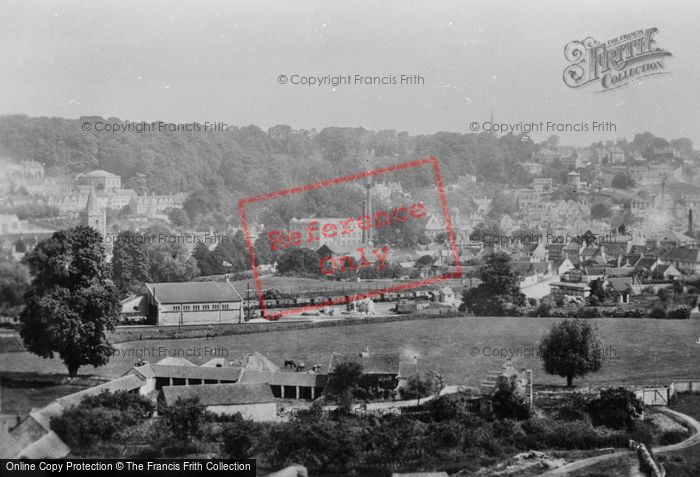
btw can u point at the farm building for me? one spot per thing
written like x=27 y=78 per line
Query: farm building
x=253 y=400
x=157 y=376
x=287 y=385
x=377 y=368
x=191 y=303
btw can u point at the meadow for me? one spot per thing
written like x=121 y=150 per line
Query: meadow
x=463 y=349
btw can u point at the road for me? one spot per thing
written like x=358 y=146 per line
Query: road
x=581 y=464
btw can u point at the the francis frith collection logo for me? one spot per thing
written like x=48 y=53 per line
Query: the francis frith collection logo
x=615 y=63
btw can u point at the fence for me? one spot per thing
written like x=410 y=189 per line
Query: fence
x=649 y=395
x=685 y=387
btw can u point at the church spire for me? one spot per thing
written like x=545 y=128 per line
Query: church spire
x=92 y=201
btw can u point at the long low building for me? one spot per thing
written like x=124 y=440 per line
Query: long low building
x=191 y=303
x=253 y=400
x=287 y=385
x=157 y=376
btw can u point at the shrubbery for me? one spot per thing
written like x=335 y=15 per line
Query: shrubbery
x=98 y=418
x=681 y=312
x=615 y=408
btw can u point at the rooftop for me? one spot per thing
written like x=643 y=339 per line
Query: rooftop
x=221 y=394
x=373 y=363
x=193 y=292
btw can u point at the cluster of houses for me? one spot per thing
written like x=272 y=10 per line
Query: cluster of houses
x=255 y=387
x=25 y=183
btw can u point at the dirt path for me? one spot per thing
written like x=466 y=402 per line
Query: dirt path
x=581 y=464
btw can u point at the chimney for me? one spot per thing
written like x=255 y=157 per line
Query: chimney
x=691 y=231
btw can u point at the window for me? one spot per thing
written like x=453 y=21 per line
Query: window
x=215 y=306
x=186 y=307
x=195 y=307
x=224 y=306
x=205 y=307
x=176 y=308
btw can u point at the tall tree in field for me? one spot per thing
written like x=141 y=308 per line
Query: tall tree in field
x=130 y=263
x=71 y=302
x=571 y=349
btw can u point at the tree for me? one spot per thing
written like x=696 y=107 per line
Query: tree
x=615 y=408
x=498 y=291
x=600 y=211
x=71 y=303
x=571 y=349
x=346 y=375
x=238 y=438
x=419 y=385
x=185 y=418
x=622 y=181
x=589 y=238
x=299 y=261
x=130 y=263
x=207 y=262
x=14 y=281
x=600 y=293
x=508 y=402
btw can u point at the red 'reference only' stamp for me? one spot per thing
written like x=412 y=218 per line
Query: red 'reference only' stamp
x=353 y=234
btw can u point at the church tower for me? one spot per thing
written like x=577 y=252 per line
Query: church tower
x=94 y=216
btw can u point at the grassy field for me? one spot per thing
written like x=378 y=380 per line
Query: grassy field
x=464 y=349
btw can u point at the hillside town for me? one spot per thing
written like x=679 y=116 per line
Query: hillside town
x=600 y=232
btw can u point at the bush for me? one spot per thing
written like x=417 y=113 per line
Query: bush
x=185 y=417
x=658 y=313
x=634 y=313
x=587 y=312
x=419 y=385
x=238 y=439
x=544 y=309
x=120 y=401
x=507 y=403
x=85 y=428
x=681 y=312
x=573 y=408
x=98 y=418
x=615 y=408
x=672 y=437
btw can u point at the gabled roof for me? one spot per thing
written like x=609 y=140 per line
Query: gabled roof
x=9 y=447
x=281 y=378
x=645 y=263
x=221 y=394
x=683 y=254
x=128 y=382
x=98 y=173
x=371 y=364
x=193 y=292
x=175 y=361
x=632 y=259
x=196 y=372
x=48 y=446
x=622 y=283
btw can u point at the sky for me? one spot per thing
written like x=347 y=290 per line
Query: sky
x=213 y=61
